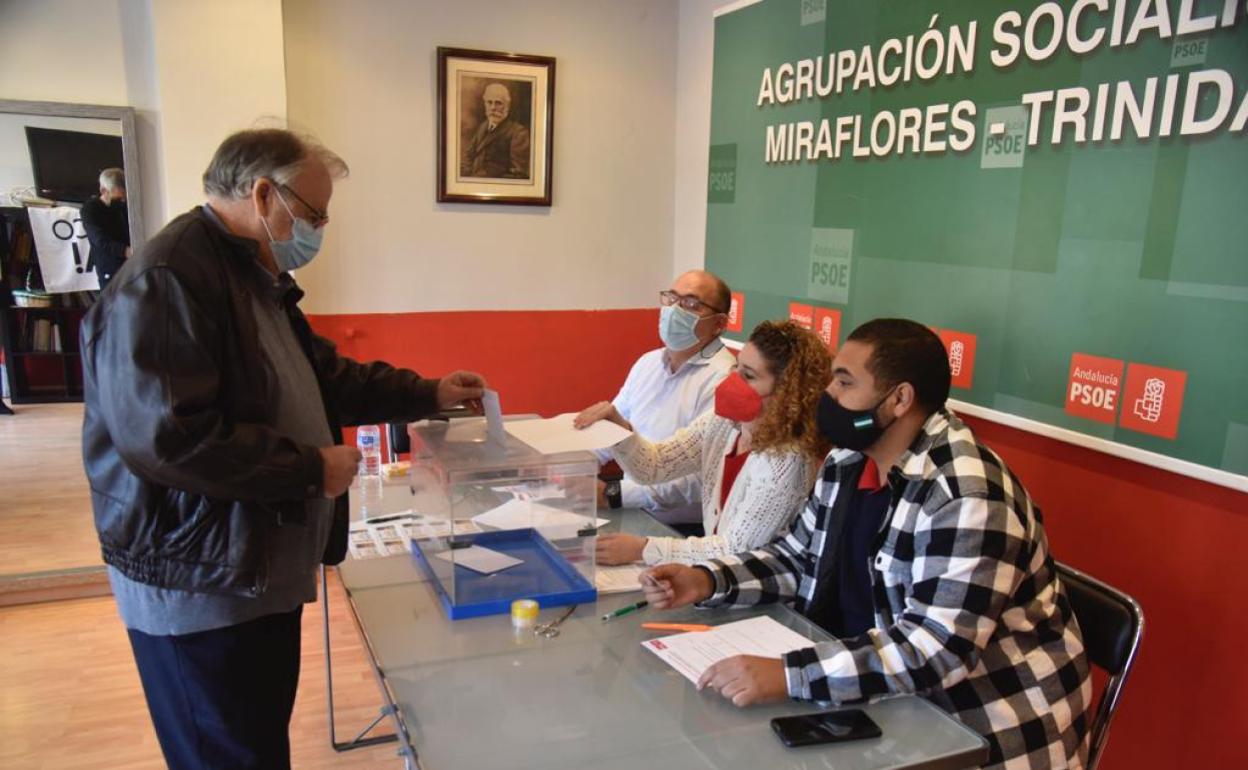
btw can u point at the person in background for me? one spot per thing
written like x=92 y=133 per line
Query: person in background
x=106 y=221
x=668 y=388
x=925 y=558
x=213 y=445
x=756 y=454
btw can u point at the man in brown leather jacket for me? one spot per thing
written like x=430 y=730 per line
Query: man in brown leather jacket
x=213 y=445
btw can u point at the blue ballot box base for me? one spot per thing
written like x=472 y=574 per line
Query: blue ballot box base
x=545 y=576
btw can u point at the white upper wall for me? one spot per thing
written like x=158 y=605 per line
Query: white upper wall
x=361 y=76
x=62 y=51
x=219 y=68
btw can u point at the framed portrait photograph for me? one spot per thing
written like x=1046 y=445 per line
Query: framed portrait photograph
x=495 y=127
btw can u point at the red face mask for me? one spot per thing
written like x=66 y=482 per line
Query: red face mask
x=736 y=400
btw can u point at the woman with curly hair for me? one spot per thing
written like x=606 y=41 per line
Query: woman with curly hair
x=756 y=454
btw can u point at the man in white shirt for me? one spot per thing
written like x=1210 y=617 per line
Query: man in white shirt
x=669 y=387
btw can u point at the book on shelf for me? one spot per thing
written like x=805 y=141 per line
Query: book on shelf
x=43 y=336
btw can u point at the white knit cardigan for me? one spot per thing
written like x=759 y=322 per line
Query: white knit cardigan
x=767 y=495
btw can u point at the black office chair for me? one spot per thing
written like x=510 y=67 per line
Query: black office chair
x=1112 y=624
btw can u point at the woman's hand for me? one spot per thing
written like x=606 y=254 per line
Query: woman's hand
x=618 y=548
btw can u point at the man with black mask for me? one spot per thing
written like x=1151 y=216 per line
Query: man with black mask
x=926 y=559
x=106 y=221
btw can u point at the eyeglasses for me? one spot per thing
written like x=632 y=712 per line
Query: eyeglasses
x=687 y=302
x=319 y=218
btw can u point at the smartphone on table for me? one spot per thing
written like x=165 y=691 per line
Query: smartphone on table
x=825 y=727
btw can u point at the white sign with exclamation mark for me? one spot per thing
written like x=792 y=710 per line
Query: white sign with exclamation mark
x=64 y=252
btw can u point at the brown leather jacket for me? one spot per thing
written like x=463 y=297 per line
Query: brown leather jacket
x=187 y=478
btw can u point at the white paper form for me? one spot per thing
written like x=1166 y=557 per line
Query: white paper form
x=558 y=435
x=520 y=514
x=622 y=579
x=693 y=653
x=479 y=559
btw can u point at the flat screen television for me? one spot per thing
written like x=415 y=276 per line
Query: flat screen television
x=67 y=164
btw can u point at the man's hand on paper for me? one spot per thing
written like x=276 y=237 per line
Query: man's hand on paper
x=618 y=548
x=340 y=464
x=603 y=410
x=671 y=586
x=461 y=388
x=747 y=680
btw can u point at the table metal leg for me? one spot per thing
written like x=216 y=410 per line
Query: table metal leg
x=359 y=741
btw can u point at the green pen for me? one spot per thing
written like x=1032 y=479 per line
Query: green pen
x=625 y=610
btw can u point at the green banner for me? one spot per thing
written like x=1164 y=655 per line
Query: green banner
x=1059 y=189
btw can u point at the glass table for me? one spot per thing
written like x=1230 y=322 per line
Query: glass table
x=475 y=694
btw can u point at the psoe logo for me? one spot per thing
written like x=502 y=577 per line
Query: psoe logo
x=1148 y=406
x=831 y=259
x=828 y=326
x=721 y=182
x=960 y=347
x=1093 y=388
x=736 y=312
x=1005 y=137
x=802 y=315
x=1152 y=400
x=814 y=11
x=957 y=353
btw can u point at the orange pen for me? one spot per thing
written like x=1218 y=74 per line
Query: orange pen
x=676 y=627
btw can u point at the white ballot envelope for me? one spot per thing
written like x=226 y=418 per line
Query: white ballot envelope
x=479 y=559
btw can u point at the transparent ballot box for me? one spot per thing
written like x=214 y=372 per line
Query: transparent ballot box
x=502 y=520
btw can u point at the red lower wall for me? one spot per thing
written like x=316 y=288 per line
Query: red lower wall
x=1171 y=542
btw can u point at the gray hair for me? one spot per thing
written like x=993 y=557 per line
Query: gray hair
x=265 y=153
x=112 y=179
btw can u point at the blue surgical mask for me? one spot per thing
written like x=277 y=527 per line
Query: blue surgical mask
x=676 y=328
x=300 y=248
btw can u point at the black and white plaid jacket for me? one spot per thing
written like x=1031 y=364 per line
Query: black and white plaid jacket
x=969 y=612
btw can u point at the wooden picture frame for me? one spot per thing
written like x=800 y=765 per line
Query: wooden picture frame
x=495 y=127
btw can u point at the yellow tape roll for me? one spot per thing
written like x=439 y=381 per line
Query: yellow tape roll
x=524 y=613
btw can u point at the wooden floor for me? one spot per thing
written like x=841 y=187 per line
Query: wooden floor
x=45 y=505
x=69 y=693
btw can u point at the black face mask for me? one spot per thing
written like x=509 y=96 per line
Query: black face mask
x=847 y=428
